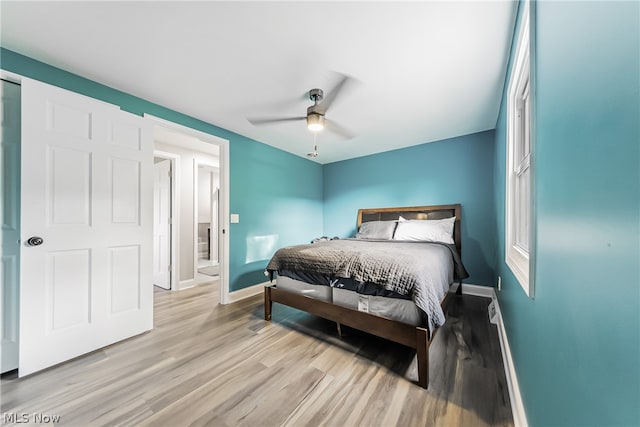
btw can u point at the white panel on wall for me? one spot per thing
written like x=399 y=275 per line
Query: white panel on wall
x=125 y=191
x=124 y=278
x=126 y=135
x=68 y=120
x=68 y=285
x=70 y=186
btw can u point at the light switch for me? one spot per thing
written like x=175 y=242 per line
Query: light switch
x=235 y=218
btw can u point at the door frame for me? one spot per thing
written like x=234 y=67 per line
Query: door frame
x=223 y=226
x=196 y=205
x=175 y=213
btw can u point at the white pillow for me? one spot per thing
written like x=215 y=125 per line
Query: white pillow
x=430 y=230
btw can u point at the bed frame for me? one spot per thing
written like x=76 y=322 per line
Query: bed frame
x=416 y=337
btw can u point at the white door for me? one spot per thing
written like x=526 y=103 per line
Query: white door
x=162 y=224
x=10 y=216
x=86 y=205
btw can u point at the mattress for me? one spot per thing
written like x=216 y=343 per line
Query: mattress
x=365 y=288
x=398 y=309
x=319 y=292
x=420 y=271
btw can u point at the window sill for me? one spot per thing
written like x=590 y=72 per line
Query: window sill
x=518 y=263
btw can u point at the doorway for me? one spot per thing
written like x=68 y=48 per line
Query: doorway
x=199 y=194
x=162 y=216
x=128 y=276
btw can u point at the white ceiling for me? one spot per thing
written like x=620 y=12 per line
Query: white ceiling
x=425 y=71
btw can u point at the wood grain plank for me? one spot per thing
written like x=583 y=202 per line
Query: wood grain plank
x=208 y=364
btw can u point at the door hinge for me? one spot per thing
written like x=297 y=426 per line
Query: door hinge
x=169 y=268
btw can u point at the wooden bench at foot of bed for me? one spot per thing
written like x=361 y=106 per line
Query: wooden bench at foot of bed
x=416 y=337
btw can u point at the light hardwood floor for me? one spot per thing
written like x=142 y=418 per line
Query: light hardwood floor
x=208 y=364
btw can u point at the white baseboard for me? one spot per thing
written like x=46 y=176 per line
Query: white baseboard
x=243 y=293
x=517 y=407
x=184 y=284
x=478 y=290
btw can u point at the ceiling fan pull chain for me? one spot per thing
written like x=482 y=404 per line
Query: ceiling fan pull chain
x=315 y=144
x=314 y=153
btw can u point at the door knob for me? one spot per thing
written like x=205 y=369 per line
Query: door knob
x=35 y=241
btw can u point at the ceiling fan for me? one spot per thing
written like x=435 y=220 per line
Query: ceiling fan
x=316 y=114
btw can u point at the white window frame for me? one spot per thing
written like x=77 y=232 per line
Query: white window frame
x=517 y=253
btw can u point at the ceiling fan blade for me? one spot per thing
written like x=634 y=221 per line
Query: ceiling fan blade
x=267 y=121
x=338 y=129
x=330 y=97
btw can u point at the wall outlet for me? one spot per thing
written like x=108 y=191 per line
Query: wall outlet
x=235 y=218
x=499 y=283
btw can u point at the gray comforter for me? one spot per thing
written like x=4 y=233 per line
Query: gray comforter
x=421 y=270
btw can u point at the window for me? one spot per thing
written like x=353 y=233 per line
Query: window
x=518 y=191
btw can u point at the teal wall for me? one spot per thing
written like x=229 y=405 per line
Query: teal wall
x=457 y=170
x=576 y=346
x=279 y=198
x=267 y=184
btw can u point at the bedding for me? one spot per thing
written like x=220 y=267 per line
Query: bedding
x=377 y=230
x=438 y=230
x=418 y=270
x=353 y=288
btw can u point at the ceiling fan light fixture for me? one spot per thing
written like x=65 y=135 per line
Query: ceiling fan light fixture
x=315 y=122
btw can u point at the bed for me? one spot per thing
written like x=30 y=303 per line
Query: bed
x=391 y=280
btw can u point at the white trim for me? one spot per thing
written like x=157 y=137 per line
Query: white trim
x=186 y=284
x=175 y=212
x=478 y=290
x=517 y=260
x=517 y=406
x=244 y=293
x=223 y=221
x=207 y=137
x=518 y=263
x=223 y=225
x=11 y=77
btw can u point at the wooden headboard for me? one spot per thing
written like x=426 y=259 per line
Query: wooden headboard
x=416 y=212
